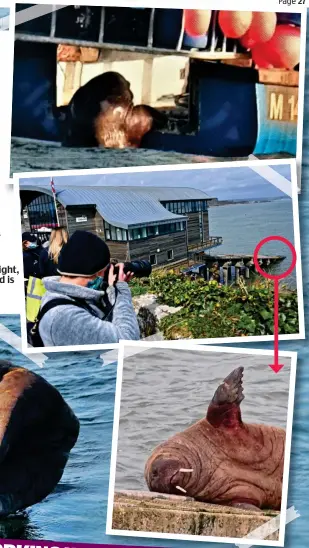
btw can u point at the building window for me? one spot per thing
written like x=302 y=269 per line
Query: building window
x=119 y=234
x=186 y=206
x=41 y=212
x=115 y=233
x=153 y=260
x=170 y=255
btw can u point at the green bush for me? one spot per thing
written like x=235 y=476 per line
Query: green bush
x=212 y=310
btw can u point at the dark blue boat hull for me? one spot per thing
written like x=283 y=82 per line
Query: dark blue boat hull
x=228 y=110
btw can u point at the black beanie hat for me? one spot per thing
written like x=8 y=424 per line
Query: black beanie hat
x=28 y=237
x=84 y=255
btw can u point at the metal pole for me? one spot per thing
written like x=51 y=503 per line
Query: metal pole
x=53 y=189
x=57 y=216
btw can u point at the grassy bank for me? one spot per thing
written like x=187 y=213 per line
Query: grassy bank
x=212 y=310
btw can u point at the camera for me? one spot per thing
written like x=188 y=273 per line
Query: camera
x=140 y=269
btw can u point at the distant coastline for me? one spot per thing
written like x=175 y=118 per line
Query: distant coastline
x=214 y=202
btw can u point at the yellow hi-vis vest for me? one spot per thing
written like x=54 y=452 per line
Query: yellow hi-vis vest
x=35 y=292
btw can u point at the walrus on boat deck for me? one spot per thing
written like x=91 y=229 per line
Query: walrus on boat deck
x=231 y=109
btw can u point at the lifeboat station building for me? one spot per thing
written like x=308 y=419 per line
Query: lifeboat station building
x=162 y=225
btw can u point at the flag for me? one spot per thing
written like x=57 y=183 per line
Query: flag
x=52 y=184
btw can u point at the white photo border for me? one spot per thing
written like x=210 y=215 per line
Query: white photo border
x=146 y=169
x=261 y=5
x=166 y=536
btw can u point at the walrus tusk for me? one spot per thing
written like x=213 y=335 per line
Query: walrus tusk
x=186 y=470
x=181 y=489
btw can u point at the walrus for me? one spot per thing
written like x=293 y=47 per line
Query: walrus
x=220 y=459
x=37 y=431
x=102 y=113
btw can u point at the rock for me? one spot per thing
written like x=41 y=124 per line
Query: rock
x=171 y=514
x=147 y=322
x=150 y=301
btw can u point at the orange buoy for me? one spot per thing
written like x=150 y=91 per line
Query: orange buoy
x=285 y=46
x=282 y=50
x=261 y=56
x=235 y=24
x=262 y=28
x=197 y=22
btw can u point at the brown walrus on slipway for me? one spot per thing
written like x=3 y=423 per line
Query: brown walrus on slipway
x=37 y=432
x=102 y=113
x=220 y=459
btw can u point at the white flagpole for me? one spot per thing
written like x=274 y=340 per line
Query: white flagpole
x=55 y=201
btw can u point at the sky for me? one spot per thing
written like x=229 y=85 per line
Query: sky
x=4 y=12
x=232 y=183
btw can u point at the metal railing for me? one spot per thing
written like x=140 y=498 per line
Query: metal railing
x=43 y=236
x=86 y=32
x=213 y=241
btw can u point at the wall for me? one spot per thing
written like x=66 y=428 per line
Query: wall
x=194 y=236
x=193 y=228
x=150 y=76
x=119 y=251
x=62 y=215
x=25 y=223
x=142 y=249
x=74 y=212
x=206 y=225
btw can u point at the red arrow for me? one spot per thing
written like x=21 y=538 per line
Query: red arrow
x=276 y=366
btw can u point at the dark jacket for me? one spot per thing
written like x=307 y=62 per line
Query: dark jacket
x=34 y=260
x=48 y=266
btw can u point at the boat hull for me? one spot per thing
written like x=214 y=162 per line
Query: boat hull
x=231 y=114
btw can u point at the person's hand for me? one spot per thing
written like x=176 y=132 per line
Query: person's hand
x=111 y=275
x=122 y=276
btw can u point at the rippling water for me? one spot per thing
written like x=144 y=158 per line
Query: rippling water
x=242 y=226
x=164 y=391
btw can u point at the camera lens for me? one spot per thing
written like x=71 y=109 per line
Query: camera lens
x=140 y=269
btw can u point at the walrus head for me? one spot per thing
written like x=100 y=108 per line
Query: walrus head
x=121 y=125
x=173 y=469
x=37 y=431
x=168 y=476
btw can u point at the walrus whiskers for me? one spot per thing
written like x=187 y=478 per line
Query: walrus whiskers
x=184 y=470
x=181 y=489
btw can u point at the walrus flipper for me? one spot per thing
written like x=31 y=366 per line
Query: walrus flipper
x=224 y=409
x=37 y=431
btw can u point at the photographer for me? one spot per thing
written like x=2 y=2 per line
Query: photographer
x=33 y=257
x=98 y=314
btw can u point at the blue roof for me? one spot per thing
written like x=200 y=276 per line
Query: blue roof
x=124 y=207
x=168 y=194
